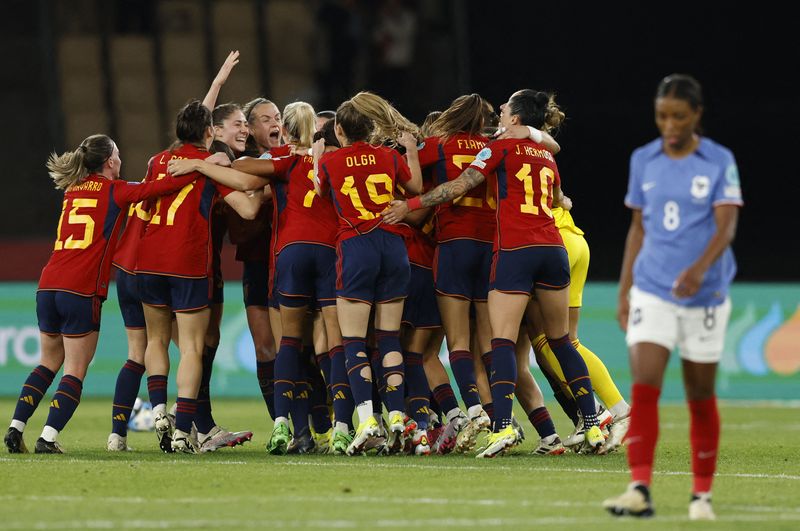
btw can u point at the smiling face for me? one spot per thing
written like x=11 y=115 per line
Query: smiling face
x=676 y=121
x=265 y=126
x=506 y=118
x=233 y=131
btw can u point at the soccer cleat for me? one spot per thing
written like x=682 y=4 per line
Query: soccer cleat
x=575 y=439
x=446 y=442
x=410 y=427
x=419 y=443
x=604 y=419
x=499 y=442
x=593 y=439
x=164 y=428
x=616 y=434
x=322 y=441
x=118 y=443
x=367 y=430
x=182 y=442
x=397 y=434
x=635 y=501
x=340 y=441
x=468 y=437
x=700 y=507
x=279 y=440
x=518 y=428
x=219 y=437
x=434 y=433
x=47 y=447
x=14 y=442
x=301 y=443
x=550 y=446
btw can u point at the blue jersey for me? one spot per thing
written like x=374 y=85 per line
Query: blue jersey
x=677 y=199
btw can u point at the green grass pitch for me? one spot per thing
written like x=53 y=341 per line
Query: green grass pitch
x=757 y=487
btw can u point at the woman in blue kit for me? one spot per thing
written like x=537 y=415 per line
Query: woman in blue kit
x=684 y=195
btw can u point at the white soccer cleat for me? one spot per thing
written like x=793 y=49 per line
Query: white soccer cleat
x=182 y=442
x=700 y=507
x=419 y=442
x=366 y=430
x=499 y=442
x=446 y=441
x=469 y=435
x=118 y=443
x=616 y=435
x=164 y=427
x=219 y=437
x=635 y=501
x=550 y=446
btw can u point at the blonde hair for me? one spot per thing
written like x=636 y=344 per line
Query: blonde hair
x=72 y=167
x=467 y=114
x=299 y=120
x=367 y=116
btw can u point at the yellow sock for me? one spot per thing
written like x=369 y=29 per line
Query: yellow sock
x=603 y=385
x=540 y=344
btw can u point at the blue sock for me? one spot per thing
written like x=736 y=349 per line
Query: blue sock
x=393 y=376
x=286 y=373
x=203 y=420
x=577 y=376
x=185 y=413
x=128 y=382
x=503 y=381
x=464 y=372
x=486 y=358
x=65 y=402
x=355 y=350
x=33 y=390
x=320 y=414
x=324 y=367
x=265 y=372
x=378 y=386
x=157 y=389
x=444 y=396
x=418 y=391
x=343 y=405
x=300 y=400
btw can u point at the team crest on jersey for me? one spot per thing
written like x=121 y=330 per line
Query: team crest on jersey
x=701 y=186
x=732 y=175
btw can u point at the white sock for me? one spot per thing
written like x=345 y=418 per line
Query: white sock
x=620 y=410
x=474 y=411
x=160 y=408
x=281 y=420
x=49 y=434
x=342 y=427
x=18 y=425
x=364 y=410
x=453 y=413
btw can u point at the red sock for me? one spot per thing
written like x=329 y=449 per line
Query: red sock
x=704 y=434
x=643 y=432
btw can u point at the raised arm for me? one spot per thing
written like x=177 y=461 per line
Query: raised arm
x=210 y=101
x=469 y=179
x=526 y=131
x=317 y=150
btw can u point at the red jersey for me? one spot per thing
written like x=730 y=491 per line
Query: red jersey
x=306 y=217
x=472 y=215
x=128 y=244
x=177 y=240
x=91 y=218
x=362 y=178
x=526 y=174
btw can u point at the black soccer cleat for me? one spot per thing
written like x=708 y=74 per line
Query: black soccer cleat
x=47 y=447
x=301 y=443
x=14 y=442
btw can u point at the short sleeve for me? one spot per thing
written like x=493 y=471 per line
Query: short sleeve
x=487 y=159
x=282 y=166
x=635 y=197
x=727 y=189
x=428 y=151
x=223 y=190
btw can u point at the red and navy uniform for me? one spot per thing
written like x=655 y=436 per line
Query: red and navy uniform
x=306 y=243
x=174 y=261
x=528 y=248
x=277 y=220
x=252 y=240
x=465 y=227
x=74 y=283
x=372 y=263
x=421 y=309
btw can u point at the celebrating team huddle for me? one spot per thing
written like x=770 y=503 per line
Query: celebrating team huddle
x=366 y=241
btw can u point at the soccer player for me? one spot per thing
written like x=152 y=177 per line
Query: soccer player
x=372 y=266
x=74 y=283
x=529 y=256
x=677 y=268
x=173 y=269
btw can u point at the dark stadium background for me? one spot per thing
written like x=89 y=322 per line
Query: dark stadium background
x=603 y=62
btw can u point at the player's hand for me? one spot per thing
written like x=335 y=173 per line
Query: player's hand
x=408 y=141
x=565 y=202
x=303 y=152
x=225 y=70
x=623 y=308
x=513 y=131
x=688 y=282
x=177 y=167
x=318 y=148
x=395 y=212
x=220 y=159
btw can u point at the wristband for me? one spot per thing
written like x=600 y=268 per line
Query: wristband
x=415 y=203
x=535 y=134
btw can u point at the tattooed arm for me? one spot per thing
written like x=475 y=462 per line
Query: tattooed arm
x=469 y=179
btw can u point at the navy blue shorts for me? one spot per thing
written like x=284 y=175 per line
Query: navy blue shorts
x=372 y=267
x=61 y=312
x=421 y=309
x=461 y=269
x=305 y=273
x=130 y=304
x=522 y=270
x=255 y=282
x=176 y=293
